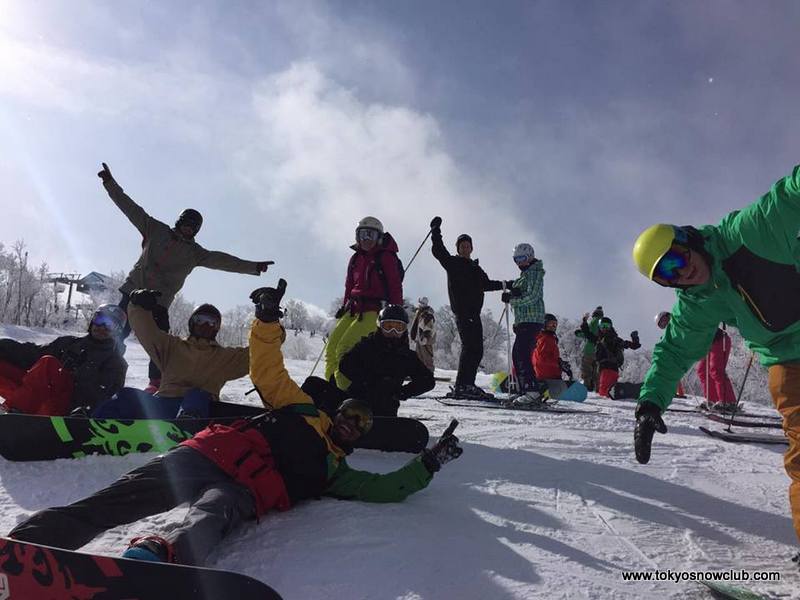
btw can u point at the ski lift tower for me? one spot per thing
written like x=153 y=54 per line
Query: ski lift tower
x=68 y=279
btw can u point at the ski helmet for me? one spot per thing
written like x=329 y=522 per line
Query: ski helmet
x=110 y=316
x=664 y=317
x=205 y=321
x=655 y=241
x=464 y=237
x=190 y=217
x=423 y=301
x=358 y=411
x=369 y=224
x=523 y=252
x=550 y=317
x=393 y=312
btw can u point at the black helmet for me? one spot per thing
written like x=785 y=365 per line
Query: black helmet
x=358 y=411
x=549 y=317
x=393 y=312
x=205 y=321
x=190 y=217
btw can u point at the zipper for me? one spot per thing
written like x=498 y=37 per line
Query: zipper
x=746 y=297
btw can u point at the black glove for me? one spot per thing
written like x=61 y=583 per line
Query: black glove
x=340 y=313
x=267 y=301
x=648 y=421
x=445 y=450
x=105 y=174
x=146 y=299
x=505 y=297
x=565 y=366
x=436 y=222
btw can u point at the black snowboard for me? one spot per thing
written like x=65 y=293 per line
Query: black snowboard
x=33 y=437
x=549 y=410
x=747 y=437
x=34 y=572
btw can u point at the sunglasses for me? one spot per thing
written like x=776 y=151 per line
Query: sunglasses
x=202 y=319
x=368 y=234
x=672 y=262
x=395 y=327
x=106 y=322
x=520 y=259
x=362 y=420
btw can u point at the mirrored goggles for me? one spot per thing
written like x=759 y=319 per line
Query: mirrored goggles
x=361 y=419
x=520 y=259
x=203 y=319
x=364 y=234
x=395 y=327
x=673 y=261
x=604 y=325
x=102 y=320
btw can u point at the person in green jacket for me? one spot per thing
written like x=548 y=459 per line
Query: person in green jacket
x=233 y=473
x=588 y=363
x=742 y=272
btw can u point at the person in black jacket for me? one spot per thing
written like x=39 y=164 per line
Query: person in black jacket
x=609 y=353
x=378 y=366
x=67 y=373
x=466 y=283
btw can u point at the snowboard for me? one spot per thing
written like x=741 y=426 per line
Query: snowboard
x=35 y=572
x=725 y=591
x=35 y=437
x=552 y=409
x=564 y=390
x=745 y=437
x=744 y=422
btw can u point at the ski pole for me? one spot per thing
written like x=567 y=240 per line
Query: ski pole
x=741 y=389
x=499 y=326
x=512 y=379
x=324 y=343
x=408 y=266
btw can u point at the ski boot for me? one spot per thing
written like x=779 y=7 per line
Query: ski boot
x=531 y=400
x=469 y=392
x=725 y=408
x=152 y=548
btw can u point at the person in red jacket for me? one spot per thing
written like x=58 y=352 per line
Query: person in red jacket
x=374 y=279
x=546 y=357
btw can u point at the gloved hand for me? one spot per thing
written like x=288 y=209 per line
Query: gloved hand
x=648 y=421
x=505 y=297
x=105 y=174
x=340 y=313
x=267 y=301
x=436 y=222
x=146 y=299
x=445 y=450
x=264 y=265
x=565 y=367
x=635 y=339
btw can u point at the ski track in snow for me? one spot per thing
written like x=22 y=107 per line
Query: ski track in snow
x=538 y=506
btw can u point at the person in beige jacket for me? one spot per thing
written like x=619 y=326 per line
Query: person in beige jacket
x=169 y=254
x=193 y=369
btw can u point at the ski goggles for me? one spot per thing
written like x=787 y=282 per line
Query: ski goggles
x=673 y=261
x=364 y=234
x=203 y=319
x=362 y=419
x=520 y=259
x=394 y=327
x=604 y=325
x=105 y=321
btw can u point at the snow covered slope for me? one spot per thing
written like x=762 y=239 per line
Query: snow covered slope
x=538 y=506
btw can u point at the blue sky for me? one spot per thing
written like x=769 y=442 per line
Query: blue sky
x=570 y=125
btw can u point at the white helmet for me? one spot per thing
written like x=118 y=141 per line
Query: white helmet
x=525 y=250
x=423 y=301
x=370 y=223
x=663 y=316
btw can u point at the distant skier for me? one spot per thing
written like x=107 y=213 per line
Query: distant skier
x=466 y=283
x=546 y=358
x=374 y=278
x=609 y=352
x=379 y=364
x=526 y=296
x=588 y=364
x=169 y=254
x=423 y=332
x=742 y=272
x=69 y=372
x=193 y=369
x=230 y=474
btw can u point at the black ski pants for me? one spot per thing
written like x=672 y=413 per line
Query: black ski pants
x=160 y=316
x=217 y=505
x=470 y=329
x=522 y=354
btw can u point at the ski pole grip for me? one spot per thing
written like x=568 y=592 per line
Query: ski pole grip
x=450 y=428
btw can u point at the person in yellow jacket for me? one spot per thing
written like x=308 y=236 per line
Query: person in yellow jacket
x=193 y=369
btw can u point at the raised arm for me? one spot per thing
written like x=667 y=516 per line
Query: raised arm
x=135 y=213
x=221 y=261
x=438 y=250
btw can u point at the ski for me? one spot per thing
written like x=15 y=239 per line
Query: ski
x=746 y=437
x=546 y=410
x=35 y=437
x=725 y=591
x=743 y=422
x=32 y=571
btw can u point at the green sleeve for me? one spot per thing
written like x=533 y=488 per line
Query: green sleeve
x=686 y=340
x=349 y=484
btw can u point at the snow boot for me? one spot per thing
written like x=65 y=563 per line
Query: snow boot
x=532 y=399
x=152 y=548
x=469 y=392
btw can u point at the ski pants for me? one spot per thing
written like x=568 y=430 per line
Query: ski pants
x=522 y=354
x=425 y=354
x=717 y=387
x=160 y=316
x=349 y=330
x=470 y=330
x=589 y=372
x=130 y=403
x=218 y=504
x=608 y=377
x=44 y=389
x=784 y=385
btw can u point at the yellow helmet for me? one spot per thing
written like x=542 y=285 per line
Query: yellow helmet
x=651 y=245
